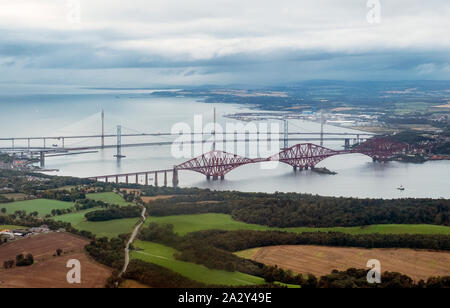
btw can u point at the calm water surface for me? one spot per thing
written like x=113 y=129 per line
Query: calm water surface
x=54 y=115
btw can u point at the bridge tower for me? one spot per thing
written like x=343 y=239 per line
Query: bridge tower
x=286 y=133
x=347 y=144
x=103 y=129
x=214 y=131
x=119 y=143
x=321 y=127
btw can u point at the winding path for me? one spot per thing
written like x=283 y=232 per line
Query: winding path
x=132 y=238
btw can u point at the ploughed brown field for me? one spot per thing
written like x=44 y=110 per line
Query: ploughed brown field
x=154 y=198
x=49 y=271
x=321 y=260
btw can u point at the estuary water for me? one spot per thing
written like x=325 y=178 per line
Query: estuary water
x=70 y=114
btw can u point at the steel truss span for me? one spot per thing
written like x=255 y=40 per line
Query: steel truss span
x=216 y=164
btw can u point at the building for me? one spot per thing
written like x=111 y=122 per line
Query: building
x=4 y=190
x=41 y=229
x=4 y=165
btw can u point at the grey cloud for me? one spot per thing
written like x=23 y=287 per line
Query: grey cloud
x=226 y=41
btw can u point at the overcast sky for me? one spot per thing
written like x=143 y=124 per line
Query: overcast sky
x=156 y=43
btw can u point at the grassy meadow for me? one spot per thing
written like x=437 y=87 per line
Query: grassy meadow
x=11 y=227
x=184 y=224
x=109 y=197
x=42 y=206
x=108 y=229
x=164 y=256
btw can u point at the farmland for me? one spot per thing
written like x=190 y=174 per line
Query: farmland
x=74 y=218
x=108 y=197
x=321 y=260
x=108 y=229
x=16 y=196
x=132 y=284
x=164 y=256
x=154 y=198
x=42 y=206
x=50 y=271
x=11 y=227
x=184 y=224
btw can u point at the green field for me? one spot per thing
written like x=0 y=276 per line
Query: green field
x=42 y=206
x=109 y=229
x=11 y=227
x=248 y=253
x=164 y=256
x=75 y=218
x=184 y=224
x=109 y=197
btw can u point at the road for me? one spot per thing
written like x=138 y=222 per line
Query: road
x=36 y=150
x=132 y=238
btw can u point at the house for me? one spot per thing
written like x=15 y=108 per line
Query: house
x=6 y=234
x=4 y=165
x=6 y=190
x=20 y=232
x=41 y=229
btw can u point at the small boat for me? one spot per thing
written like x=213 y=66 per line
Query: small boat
x=401 y=188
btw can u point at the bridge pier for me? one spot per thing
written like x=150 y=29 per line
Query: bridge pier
x=126 y=179
x=165 y=178
x=175 y=177
x=295 y=168
x=146 y=179
x=42 y=159
x=137 y=178
x=347 y=144
x=156 y=179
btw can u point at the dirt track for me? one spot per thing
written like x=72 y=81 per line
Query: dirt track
x=320 y=260
x=49 y=271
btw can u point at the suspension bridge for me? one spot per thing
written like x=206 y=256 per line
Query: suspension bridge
x=86 y=143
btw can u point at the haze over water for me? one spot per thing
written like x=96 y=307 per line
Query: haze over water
x=54 y=115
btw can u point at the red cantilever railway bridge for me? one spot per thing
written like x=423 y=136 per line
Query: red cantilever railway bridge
x=216 y=164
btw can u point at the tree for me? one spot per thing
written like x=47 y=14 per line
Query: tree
x=19 y=258
x=311 y=282
x=59 y=252
x=24 y=261
x=3 y=210
x=8 y=264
